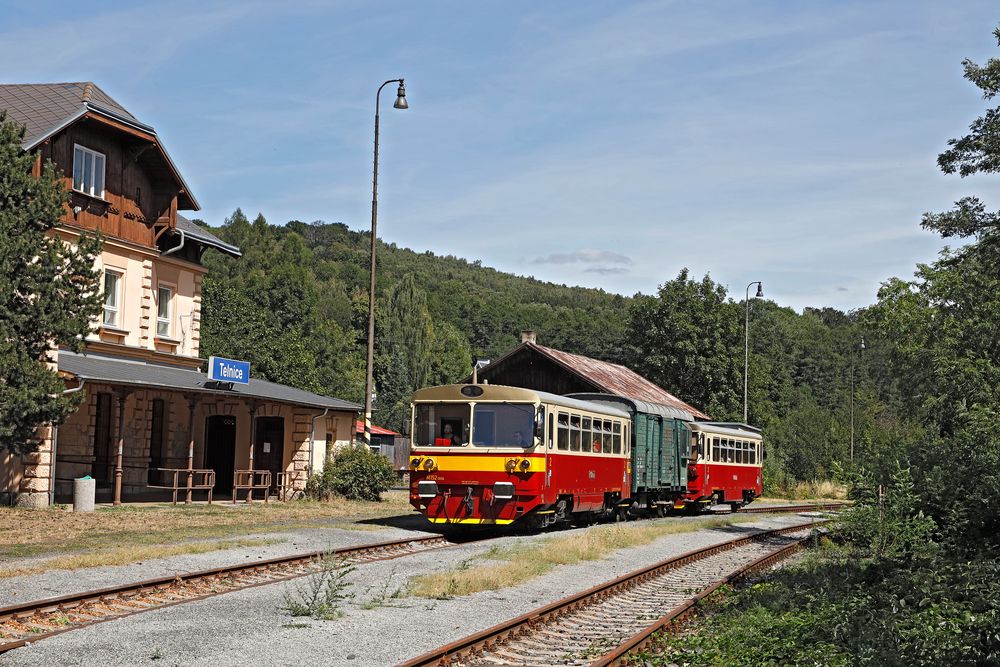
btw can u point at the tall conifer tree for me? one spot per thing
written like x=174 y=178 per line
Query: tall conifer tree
x=48 y=294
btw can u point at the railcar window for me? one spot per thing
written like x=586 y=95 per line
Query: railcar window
x=552 y=431
x=600 y=444
x=441 y=424
x=574 y=433
x=588 y=436
x=503 y=425
x=739 y=451
x=616 y=440
x=563 y=442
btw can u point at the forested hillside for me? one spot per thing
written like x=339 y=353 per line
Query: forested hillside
x=295 y=305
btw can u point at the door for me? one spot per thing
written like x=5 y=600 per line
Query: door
x=269 y=447
x=101 y=468
x=220 y=450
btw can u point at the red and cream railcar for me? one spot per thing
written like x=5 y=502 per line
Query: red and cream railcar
x=725 y=464
x=490 y=454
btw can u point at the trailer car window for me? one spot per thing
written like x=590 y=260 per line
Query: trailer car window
x=563 y=442
x=588 y=436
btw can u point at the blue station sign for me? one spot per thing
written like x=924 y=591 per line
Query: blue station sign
x=228 y=370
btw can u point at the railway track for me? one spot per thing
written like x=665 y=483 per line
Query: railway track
x=28 y=622
x=602 y=625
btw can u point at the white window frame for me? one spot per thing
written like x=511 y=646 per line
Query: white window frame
x=169 y=320
x=117 y=308
x=93 y=171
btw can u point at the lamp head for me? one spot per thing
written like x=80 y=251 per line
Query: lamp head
x=400 y=102
x=861 y=345
x=760 y=290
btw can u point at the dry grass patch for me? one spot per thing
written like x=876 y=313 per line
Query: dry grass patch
x=25 y=533
x=127 y=555
x=513 y=565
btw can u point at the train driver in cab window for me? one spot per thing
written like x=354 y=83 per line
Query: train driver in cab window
x=448 y=434
x=519 y=439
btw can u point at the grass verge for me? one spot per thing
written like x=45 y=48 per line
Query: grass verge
x=28 y=533
x=513 y=565
x=126 y=555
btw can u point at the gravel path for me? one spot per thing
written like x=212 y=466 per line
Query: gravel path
x=64 y=582
x=248 y=626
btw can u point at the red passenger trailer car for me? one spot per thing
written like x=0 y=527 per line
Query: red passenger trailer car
x=725 y=464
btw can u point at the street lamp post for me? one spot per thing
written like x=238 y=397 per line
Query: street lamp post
x=859 y=349
x=746 y=345
x=399 y=104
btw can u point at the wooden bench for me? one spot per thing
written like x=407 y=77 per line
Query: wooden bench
x=250 y=481
x=286 y=482
x=184 y=479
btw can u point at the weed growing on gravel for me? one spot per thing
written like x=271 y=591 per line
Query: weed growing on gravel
x=323 y=591
x=382 y=596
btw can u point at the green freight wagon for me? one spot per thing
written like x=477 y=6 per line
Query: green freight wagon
x=661 y=447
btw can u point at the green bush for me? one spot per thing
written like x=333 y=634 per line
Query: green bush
x=356 y=473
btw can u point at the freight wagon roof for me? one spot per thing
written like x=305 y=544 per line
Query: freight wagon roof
x=617 y=379
x=639 y=406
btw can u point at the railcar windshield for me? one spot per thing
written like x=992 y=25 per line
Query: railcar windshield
x=503 y=425
x=441 y=424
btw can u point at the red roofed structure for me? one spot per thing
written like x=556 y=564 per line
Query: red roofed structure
x=535 y=366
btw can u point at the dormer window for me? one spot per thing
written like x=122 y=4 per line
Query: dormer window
x=88 y=171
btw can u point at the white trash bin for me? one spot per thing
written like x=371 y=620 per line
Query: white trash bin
x=84 y=490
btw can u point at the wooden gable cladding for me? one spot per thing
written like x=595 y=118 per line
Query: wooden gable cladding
x=140 y=200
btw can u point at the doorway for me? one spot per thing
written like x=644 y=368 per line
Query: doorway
x=220 y=450
x=102 y=466
x=269 y=447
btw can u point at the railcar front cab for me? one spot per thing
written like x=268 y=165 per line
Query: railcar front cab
x=477 y=454
x=483 y=454
x=725 y=464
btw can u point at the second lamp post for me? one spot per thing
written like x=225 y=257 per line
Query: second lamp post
x=399 y=104
x=746 y=344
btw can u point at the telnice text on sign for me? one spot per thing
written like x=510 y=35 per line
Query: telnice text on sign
x=228 y=370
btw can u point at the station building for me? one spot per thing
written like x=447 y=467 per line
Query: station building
x=151 y=422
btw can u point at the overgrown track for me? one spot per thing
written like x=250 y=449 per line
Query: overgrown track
x=28 y=622
x=777 y=509
x=602 y=625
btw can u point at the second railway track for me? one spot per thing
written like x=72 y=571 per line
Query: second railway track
x=607 y=622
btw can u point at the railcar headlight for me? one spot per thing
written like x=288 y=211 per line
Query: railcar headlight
x=427 y=489
x=503 y=490
x=525 y=464
x=428 y=463
x=415 y=462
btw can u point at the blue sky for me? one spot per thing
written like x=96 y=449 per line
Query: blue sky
x=601 y=144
